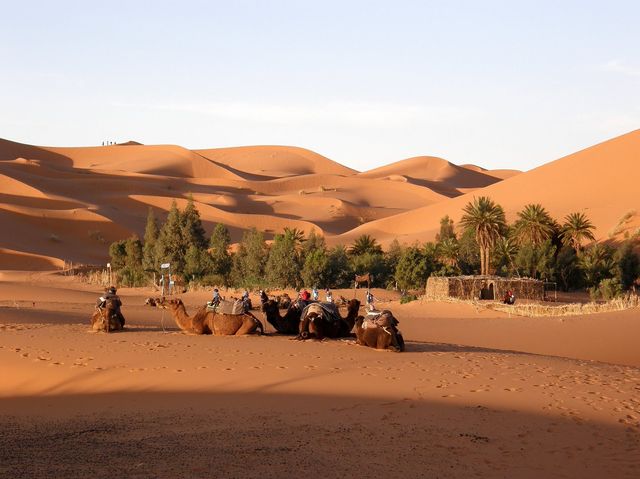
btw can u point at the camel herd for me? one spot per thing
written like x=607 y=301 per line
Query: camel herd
x=304 y=320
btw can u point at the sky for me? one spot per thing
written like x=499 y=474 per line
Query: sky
x=499 y=84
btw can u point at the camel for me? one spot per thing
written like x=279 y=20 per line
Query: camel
x=380 y=332
x=318 y=325
x=208 y=322
x=287 y=324
x=106 y=318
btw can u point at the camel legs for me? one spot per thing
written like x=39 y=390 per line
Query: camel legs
x=250 y=326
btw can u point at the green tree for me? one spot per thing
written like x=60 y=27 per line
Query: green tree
x=297 y=236
x=505 y=252
x=339 y=272
x=282 y=266
x=118 y=254
x=316 y=270
x=534 y=225
x=370 y=262
x=249 y=261
x=568 y=273
x=220 y=260
x=487 y=220
x=414 y=267
x=392 y=257
x=447 y=253
x=132 y=274
x=170 y=246
x=597 y=263
x=192 y=231
x=575 y=229
x=151 y=232
x=627 y=265
x=365 y=244
x=312 y=243
x=446 y=229
x=468 y=252
x=195 y=263
x=537 y=261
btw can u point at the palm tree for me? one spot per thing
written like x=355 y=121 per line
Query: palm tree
x=534 y=225
x=576 y=228
x=505 y=252
x=487 y=219
x=447 y=251
x=296 y=235
x=365 y=244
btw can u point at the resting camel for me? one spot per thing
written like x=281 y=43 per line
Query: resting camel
x=314 y=324
x=380 y=333
x=208 y=322
x=106 y=318
x=287 y=324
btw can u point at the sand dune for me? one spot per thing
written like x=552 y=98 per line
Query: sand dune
x=436 y=174
x=274 y=161
x=599 y=181
x=107 y=192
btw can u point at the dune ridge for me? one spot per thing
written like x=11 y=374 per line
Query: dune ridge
x=69 y=203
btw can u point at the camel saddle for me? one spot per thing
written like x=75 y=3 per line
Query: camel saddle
x=227 y=307
x=328 y=310
x=380 y=319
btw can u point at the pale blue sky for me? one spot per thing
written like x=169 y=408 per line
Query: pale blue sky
x=501 y=84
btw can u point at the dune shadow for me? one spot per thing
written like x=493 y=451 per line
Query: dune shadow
x=267 y=435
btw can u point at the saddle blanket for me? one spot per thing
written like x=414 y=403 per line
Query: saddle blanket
x=227 y=307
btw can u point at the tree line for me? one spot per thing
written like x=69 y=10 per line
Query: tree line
x=535 y=246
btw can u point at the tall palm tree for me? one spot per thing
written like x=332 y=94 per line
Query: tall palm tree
x=534 y=225
x=365 y=244
x=487 y=219
x=575 y=229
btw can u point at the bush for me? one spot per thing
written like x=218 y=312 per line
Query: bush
x=407 y=298
x=608 y=289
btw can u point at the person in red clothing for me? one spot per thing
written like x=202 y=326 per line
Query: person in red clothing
x=305 y=295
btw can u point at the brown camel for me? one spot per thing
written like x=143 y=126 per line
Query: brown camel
x=208 y=322
x=106 y=318
x=287 y=324
x=380 y=333
x=318 y=325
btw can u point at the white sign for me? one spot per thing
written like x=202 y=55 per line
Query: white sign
x=108 y=265
x=164 y=265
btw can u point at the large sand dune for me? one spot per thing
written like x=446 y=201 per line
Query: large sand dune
x=600 y=181
x=70 y=203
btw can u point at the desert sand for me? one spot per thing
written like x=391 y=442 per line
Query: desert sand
x=478 y=393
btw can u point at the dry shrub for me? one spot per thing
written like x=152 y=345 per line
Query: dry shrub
x=571 y=309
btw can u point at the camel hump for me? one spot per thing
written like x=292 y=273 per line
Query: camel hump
x=328 y=310
x=382 y=319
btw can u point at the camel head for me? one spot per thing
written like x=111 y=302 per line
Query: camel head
x=172 y=304
x=352 y=307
